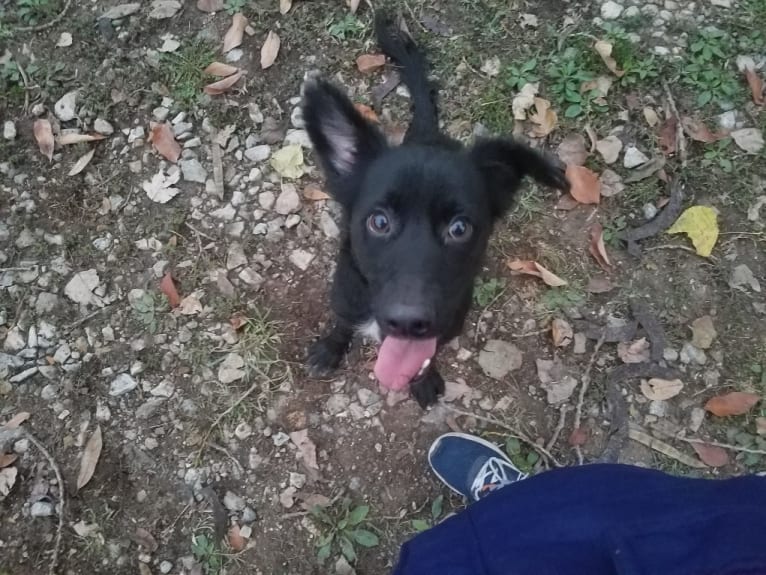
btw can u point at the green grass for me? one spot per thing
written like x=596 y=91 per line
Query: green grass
x=346 y=28
x=33 y=12
x=183 y=71
x=234 y=6
x=207 y=553
x=485 y=291
x=708 y=72
x=343 y=530
x=436 y=511
x=560 y=299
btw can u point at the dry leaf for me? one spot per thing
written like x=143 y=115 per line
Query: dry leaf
x=270 y=50
x=160 y=189
x=711 y=455
x=748 y=139
x=44 y=137
x=367 y=113
x=700 y=223
x=306 y=448
x=80 y=164
x=7 y=481
x=561 y=333
x=698 y=131
x=224 y=85
x=89 y=458
x=221 y=70
x=288 y=162
x=646 y=170
x=665 y=448
x=597 y=248
x=651 y=117
x=534 y=269
x=611 y=183
x=572 y=150
x=668 y=132
x=600 y=85
x=314 y=193
x=16 y=420
x=661 y=389
x=703 y=332
x=599 y=285
x=585 y=186
x=524 y=100
x=7 y=458
x=353 y=5
x=145 y=539
x=164 y=141
x=609 y=148
x=544 y=117
x=284 y=6
x=734 y=403
x=236 y=31
x=756 y=85
x=634 y=352
x=369 y=63
x=604 y=49
x=168 y=287
x=210 y=5
x=236 y=541
x=73 y=138
x=566 y=202
x=190 y=305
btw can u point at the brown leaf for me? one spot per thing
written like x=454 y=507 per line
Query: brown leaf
x=561 y=332
x=579 y=436
x=734 y=403
x=210 y=5
x=711 y=455
x=604 y=49
x=16 y=420
x=532 y=268
x=668 y=136
x=572 y=150
x=222 y=86
x=597 y=248
x=698 y=131
x=221 y=70
x=599 y=284
x=145 y=539
x=600 y=85
x=7 y=458
x=238 y=320
x=369 y=63
x=284 y=6
x=544 y=118
x=367 y=113
x=270 y=50
x=89 y=458
x=306 y=448
x=44 y=137
x=634 y=352
x=236 y=541
x=236 y=31
x=658 y=389
x=164 y=141
x=168 y=287
x=314 y=193
x=566 y=202
x=81 y=163
x=703 y=332
x=585 y=186
x=72 y=138
x=756 y=85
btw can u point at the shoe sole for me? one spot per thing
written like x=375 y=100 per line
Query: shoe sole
x=473 y=439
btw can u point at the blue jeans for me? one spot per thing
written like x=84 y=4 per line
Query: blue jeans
x=601 y=520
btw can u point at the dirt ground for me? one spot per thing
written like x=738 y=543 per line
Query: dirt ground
x=218 y=454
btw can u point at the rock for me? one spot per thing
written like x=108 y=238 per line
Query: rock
x=32 y=337
x=248 y=515
x=243 y=430
x=251 y=277
x=193 y=171
x=121 y=11
x=165 y=388
x=230 y=369
x=65 y=108
x=41 y=509
x=498 y=358
x=233 y=502
x=80 y=288
x=103 y=127
x=163 y=9
x=266 y=200
x=62 y=353
x=703 y=332
x=634 y=157
x=288 y=201
x=297 y=480
x=337 y=403
x=367 y=397
x=15 y=340
x=46 y=303
x=299 y=138
x=9 y=130
x=103 y=413
x=25 y=239
x=235 y=256
x=259 y=153
x=280 y=439
x=160 y=113
x=342 y=567
x=286 y=497
x=580 y=342
x=24 y=375
x=165 y=567
x=301 y=259
x=225 y=213
x=721 y=3
x=649 y=210
x=328 y=225
x=554 y=379
x=742 y=276
x=122 y=384
x=611 y=10
x=49 y=392
x=692 y=354
x=696 y=419
x=670 y=355
x=658 y=408
x=147 y=409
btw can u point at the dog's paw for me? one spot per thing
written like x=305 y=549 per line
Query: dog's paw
x=427 y=390
x=558 y=175
x=324 y=357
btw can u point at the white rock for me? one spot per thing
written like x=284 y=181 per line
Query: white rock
x=634 y=157
x=165 y=388
x=162 y=9
x=14 y=340
x=63 y=352
x=266 y=200
x=41 y=509
x=328 y=225
x=235 y=256
x=498 y=358
x=65 y=108
x=121 y=385
x=103 y=413
x=225 y=213
x=32 y=338
x=160 y=113
x=258 y=153
x=193 y=171
x=297 y=480
x=297 y=137
x=301 y=259
x=9 y=130
x=288 y=201
x=243 y=430
x=26 y=374
x=80 y=288
x=230 y=369
x=165 y=567
x=611 y=10
x=233 y=502
x=136 y=133
x=721 y=3
x=103 y=127
x=251 y=277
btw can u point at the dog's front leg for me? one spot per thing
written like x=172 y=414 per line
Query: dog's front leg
x=428 y=387
x=327 y=352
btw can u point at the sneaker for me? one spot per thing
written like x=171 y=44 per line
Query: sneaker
x=471 y=466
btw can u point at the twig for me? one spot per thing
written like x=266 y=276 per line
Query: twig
x=20 y=308
x=25 y=80
x=62 y=497
x=583 y=390
x=226 y=452
x=529 y=334
x=415 y=18
x=520 y=435
x=18 y=269
x=680 y=139
x=170 y=527
x=563 y=410
x=196 y=231
x=82 y=320
x=682 y=248
x=722 y=445
x=47 y=24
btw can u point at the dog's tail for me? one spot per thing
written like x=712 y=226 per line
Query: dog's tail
x=401 y=48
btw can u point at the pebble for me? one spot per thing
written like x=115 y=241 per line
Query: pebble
x=611 y=10
x=243 y=430
x=14 y=340
x=65 y=107
x=251 y=277
x=258 y=153
x=235 y=256
x=233 y=502
x=650 y=210
x=634 y=157
x=248 y=515
x=280 y=439
x=41 y=509
x=670 y=354
x=136 y=133
x=193 y=171
x=328 y=225
x=103 y=413
x=692 y=354
x=266 y=200
x=580 y=342
x=122 y=384
x=288 y=200
x=147 y=409
x=225 y=213
x=62 y=353
x=165 y=567
x=337 y=403
x=498 y=358
x=9 y=130
x=696 y=419
x=160 y=113
x=297 y=480
x=301 y=259
x=103 y=127
x=230 y=368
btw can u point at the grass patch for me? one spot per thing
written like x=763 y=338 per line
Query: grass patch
x=348 y=27
x=486 y=291
x=183 y=71
x=343 y=530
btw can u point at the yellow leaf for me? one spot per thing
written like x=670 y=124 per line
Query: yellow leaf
x=700 y=223
x=288 y=162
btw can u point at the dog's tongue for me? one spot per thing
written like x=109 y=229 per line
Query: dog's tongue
x=399 y=360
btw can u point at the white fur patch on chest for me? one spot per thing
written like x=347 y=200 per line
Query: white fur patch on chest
x=371 y=330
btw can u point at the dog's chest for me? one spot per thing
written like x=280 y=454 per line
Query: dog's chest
x=370 y=330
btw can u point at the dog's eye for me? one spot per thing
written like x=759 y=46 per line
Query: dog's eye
x=459 y=230
x=378 y=223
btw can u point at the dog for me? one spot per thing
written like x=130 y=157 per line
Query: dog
x=416 y=222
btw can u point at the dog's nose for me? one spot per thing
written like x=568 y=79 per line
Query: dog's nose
x=403 y=320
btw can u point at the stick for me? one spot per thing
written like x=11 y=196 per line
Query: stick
x=514 y=432
x=683 y=248
x=62 y=497
x=563 y=410
x=47 y=24
x=680 y=139
x=723 y=445
x=583 y=390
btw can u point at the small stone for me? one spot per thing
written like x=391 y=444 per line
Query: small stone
x=670 y=355
x=136 y=133
x=165 y=567
x=280 y=439
x=141 y=496
x=165 y=388
x=122 y=384
x=555 y=380
x=634 y=157
x=337 y=403
x=297 y=480
x=41 y=509
x=103 y=127
x=160 y=113
x=49 y=392
x=235 y=256
x=266 y=200
x=721 y=3
x=650 y=210
x=631 y=12
x=301 y=259
x=367 y=397
x=80 y=288
x=292 y=220
x=243 y=430
x=233 y=502
x=248 y=515
x=498 y=358
x=580 y=341
x=259 y=153
x=703 y=332
x=298 y=138
x=65 y=108
x=288 y=201
x=147 y=409
x=692 y=354
x=286 y=497
x=24 y=375
x=251 y=277
x=103 y=413
x=230 y=369
x=611 y=10
x=696 y=419
x=62 y=353
x=9 y=130
x=32 y=338
x=225 y=213
x=193 y=171
x=15 y=340
x=658 y=408
x=328 y=225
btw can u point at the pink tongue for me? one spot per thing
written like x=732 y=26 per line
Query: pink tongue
x=399 y=360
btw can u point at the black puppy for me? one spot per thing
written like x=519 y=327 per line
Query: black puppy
x=417 y=221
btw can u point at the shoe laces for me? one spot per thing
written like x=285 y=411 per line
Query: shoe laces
x=493 y=474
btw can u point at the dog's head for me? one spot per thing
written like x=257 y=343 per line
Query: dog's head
x=419 y=217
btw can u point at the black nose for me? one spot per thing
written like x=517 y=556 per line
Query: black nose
x=405 y=320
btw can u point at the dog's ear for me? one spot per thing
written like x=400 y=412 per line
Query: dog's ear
x=504 y=163
x=342 y=138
